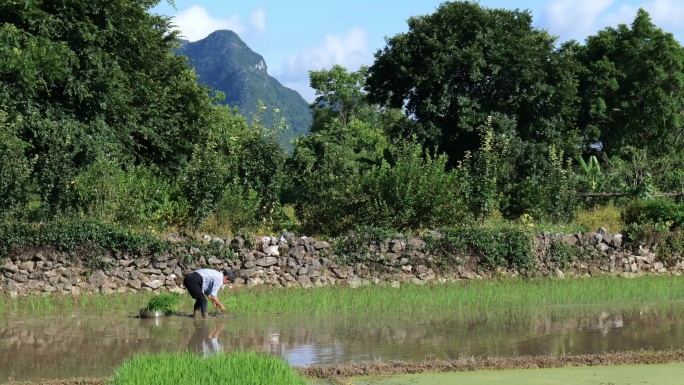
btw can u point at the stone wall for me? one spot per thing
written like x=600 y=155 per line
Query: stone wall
x=291 y=261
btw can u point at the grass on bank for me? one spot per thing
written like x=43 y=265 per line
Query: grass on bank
x=473 y=295
x=242 y=368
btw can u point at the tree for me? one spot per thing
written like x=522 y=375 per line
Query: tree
x=633 y=88
x=463 y=63
x=96 y=79
x=339 y=95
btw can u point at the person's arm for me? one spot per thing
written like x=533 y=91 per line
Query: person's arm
x=217 y=303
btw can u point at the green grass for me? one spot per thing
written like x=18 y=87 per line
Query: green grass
x=242 y=368
x=473 y=295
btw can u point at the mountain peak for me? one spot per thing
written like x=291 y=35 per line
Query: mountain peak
x=224 y=62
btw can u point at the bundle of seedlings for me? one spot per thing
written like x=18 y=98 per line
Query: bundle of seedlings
x=166 y=303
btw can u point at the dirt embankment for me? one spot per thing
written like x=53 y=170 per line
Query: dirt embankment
x=494 y=363
x=470 y=364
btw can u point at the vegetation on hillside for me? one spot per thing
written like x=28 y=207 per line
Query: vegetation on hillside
x=225 y=63
x=482 y=120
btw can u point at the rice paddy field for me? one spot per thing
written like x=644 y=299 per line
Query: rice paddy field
x=468 y=295
x=339 y=335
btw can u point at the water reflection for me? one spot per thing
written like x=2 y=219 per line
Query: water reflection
x=62 y=348
x=205 y=339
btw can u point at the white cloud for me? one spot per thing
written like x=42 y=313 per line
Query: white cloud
x=196 y=23
x=258 y=20
x=666 y=14
x=573 y=19
x=349 y=49
x=624 y=15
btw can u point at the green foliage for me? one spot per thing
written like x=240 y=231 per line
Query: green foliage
x=506 y=246
x=339 y=96
x=463 y=63
x=73 y=235
x=224 y=62
x=326 y=168
x=548 y=194
x=590 y=172
x=639 y=172
x=479 y=173
x=238 y=210
x=414 y=193
x=165 y=302
x=93 y=80
x=671 y=248
x=632 y=87
x=658 y=211
x=361 y=244
x=138 y=197
x=608 y=216
x=15 y=168
x=244 y=368
x=562 y=254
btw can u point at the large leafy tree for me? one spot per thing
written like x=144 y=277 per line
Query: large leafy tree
x=633 y=88
x=89 y=79
x=463 y=63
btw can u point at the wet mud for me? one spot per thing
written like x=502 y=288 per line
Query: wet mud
x=493 y=363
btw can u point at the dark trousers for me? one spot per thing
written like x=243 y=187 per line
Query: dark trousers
x=193 y=283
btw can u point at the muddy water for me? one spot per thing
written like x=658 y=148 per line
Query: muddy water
x=76 y=346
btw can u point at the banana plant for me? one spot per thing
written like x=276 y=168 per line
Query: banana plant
x=592 y=171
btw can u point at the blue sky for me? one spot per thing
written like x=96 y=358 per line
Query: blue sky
x=301 y=35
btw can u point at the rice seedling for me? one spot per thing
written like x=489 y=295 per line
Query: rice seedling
x=485 y=294
x=59 y=304
x=165 y=302
x=241 y=368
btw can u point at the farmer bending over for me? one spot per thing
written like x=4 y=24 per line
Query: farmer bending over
x=207 y=281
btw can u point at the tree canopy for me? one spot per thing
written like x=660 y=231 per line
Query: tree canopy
x=463 y=63
x=632 y=88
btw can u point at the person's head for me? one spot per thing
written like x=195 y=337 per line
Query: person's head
x=229 y=276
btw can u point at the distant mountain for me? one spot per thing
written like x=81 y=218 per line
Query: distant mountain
x=224 y=62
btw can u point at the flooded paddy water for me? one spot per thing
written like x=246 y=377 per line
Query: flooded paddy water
x=93 y=346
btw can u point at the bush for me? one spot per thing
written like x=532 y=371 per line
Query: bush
x=138 y=197
x=562 y=254
x=505 y=246
x=70 y=235
x=415 y=193
x=608 y=216
x=657 y=211
x=238 y=210
x=15 y=168
x=549 y=194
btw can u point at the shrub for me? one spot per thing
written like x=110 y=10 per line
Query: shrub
x=238 y=210
x=15 y=168
x=562 y=254
x=505 y=246
x=655 y=211
x=548 y=194
x=69 y=235
x=138 y=197
x=608 y=216
x=414 y=193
